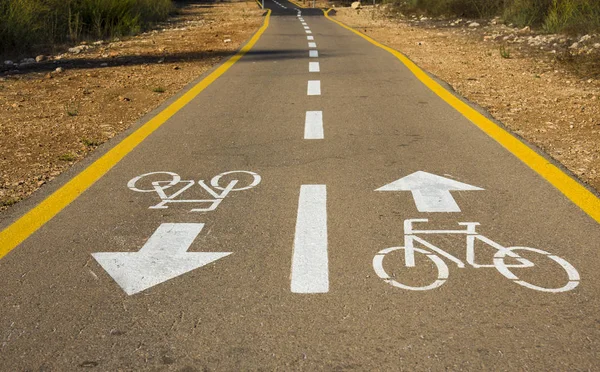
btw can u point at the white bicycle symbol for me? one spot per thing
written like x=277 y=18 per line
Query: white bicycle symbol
x=435 y=254
x=218 y=191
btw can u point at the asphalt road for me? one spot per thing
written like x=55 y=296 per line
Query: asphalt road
x=295 y=261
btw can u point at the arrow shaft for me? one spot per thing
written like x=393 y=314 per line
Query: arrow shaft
x=172 y=238
x=432 y=200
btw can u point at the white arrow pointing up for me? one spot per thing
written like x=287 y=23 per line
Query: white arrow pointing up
x=163 y=257
x=431 y=192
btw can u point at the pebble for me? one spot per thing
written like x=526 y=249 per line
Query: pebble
x=474 y=24
x=59 y=70
x=40 y=58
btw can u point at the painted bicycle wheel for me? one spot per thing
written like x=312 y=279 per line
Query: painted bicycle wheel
x=216 y=180
x=442 y=269
x=572 y=274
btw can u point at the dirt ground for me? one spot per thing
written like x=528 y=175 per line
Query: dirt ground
x=547 y=91
x=52 y=118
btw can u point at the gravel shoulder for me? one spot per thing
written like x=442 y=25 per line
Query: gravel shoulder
x=547 y=91
x=56 y=111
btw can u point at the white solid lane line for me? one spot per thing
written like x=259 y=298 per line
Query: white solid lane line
x=314 y=67
x=312 y=45
x=314 y=88
x=310 y=264
x=313 y=53
x=313 y=125
x=310 y=37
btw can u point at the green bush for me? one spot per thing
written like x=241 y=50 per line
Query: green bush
x=31 y=23
x=463 y=8
x=526 y=12
x=573 y=16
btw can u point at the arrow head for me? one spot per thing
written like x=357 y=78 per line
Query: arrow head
x=426 y=181
x=138 y=271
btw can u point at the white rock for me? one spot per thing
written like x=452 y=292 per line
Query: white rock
x=355 y=5
x=597 y=45
x=474 y=24
x=99 y=42
x=27 y=61
x=9 y=63
x=59 y=70
x=574 y=46
x=76 y=50
x=227 y=41
x=584 y=38
x=40 y=58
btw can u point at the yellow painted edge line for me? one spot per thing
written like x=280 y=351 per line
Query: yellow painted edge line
x=22 y=228
x=259 y=4
x=574 y=191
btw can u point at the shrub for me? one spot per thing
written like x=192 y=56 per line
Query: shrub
x=29 y=23
x=573 y=16
x=463 y=8
x=526 y=12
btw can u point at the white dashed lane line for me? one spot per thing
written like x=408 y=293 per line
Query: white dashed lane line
x=314 y=67
x=313 y=125
x=310 y=265
x=314 y=88
x=310 y=38
x=312 y=45
x=313 y=53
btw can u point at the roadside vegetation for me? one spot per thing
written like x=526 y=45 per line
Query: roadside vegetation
x=552 y=16
x=40 y=24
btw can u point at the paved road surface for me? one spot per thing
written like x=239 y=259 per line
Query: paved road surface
x=295 y=261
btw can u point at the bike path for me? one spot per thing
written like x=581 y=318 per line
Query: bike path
x=61 y=310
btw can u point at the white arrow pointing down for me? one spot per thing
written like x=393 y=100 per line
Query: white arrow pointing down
x=163 y=257
x=430 y=192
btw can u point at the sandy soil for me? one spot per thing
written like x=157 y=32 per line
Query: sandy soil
x=550 y=98
x=51 y=119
